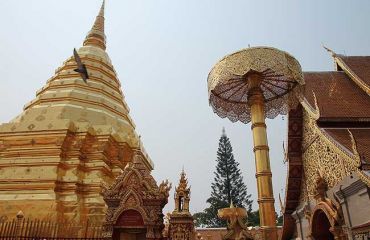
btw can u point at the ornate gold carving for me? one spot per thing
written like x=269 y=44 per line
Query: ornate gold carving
x=227 y=73
x=131 y=201
x=322 y=154
x=136 y=189
x=133 y=180
x=331 y=209
x=165 y=187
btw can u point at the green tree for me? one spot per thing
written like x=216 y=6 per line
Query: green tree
x=279 y=220
x=227 y=187
x=254 y=218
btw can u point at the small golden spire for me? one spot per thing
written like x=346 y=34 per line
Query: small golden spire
x=183 y=183
x=96 y=36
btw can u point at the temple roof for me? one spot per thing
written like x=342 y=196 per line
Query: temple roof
x=336 y=95
x=67 y=102
x=340 y=98
x=342 y=102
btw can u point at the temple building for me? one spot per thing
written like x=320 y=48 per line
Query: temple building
x=181 y=222
x=73 y=155
x=327 y=191
x=74 y=138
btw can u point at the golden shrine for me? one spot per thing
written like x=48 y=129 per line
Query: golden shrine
x=135 y=204
x=69 y=141
x=181 y=222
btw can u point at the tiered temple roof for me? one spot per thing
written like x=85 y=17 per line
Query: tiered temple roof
x=339 y=103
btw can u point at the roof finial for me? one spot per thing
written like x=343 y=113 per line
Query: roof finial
x=333 y=54
x=96 y=36
x=223 y=131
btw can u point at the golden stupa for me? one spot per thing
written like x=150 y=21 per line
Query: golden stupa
x=68 y=141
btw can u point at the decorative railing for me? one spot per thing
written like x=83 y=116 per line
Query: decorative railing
x=21 y=228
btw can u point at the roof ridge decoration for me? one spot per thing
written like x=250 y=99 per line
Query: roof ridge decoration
x=313 y=111
x=338 y=59
x=96 y=36
x=356 y=154
x=329 y=50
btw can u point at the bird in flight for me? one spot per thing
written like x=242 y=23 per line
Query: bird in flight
x=81 y=68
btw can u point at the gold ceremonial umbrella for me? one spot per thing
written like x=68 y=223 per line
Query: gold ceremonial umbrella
x=250 y=85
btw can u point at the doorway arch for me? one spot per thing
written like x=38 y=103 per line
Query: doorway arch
x=326 y=222
x=321 y=226
x=129 y=225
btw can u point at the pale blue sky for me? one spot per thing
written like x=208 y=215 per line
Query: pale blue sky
x=163 y=51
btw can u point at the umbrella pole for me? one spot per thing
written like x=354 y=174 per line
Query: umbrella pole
x=262 y=161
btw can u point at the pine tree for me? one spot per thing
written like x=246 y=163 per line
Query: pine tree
x=227 y=187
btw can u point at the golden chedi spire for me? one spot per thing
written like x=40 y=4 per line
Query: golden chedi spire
x=96 y=36
x=66 y=101
x=72 y=137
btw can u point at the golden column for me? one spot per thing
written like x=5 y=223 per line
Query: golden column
x=248 y=86
x=262 y=161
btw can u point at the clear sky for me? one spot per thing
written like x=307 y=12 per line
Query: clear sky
x=163 y=51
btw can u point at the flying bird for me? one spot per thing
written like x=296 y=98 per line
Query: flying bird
x=81 y=68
